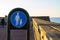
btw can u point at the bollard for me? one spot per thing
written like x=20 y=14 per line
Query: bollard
x=18 y=19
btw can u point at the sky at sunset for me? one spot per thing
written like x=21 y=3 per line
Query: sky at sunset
x=34 y=7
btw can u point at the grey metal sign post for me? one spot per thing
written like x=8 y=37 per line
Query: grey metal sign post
x=18 y=19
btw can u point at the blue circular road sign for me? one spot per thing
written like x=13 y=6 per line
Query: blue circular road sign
x=18 y=19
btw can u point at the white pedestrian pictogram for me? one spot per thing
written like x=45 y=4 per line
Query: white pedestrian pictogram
x=17 y=18
x=20 y=21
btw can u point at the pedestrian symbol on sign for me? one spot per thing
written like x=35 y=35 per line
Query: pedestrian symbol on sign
x=18 y=19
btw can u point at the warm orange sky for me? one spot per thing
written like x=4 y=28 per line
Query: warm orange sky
x=34 y=7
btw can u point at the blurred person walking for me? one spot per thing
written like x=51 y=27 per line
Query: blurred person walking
x=2 y=22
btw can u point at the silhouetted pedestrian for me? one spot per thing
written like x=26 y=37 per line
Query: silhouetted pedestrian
x=2 y=22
